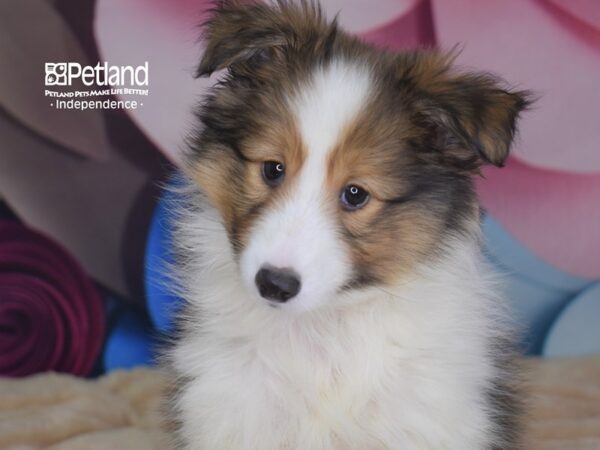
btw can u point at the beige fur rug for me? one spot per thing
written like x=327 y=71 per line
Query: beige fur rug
x=121 y=410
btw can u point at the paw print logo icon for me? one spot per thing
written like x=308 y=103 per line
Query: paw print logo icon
x=56 y=74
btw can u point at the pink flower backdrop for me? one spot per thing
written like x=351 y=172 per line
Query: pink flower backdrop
x=88 y=179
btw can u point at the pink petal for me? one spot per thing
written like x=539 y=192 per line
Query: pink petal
x=410 y=30
x=587 y=11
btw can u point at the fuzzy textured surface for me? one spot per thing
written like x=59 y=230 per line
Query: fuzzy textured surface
x=121 y=410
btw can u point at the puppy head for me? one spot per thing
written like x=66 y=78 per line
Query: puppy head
x=334 y=165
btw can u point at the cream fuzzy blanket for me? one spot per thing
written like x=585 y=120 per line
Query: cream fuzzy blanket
x=122 y=409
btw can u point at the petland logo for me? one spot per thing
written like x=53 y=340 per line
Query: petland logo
x=112 y=79
x=63 y=74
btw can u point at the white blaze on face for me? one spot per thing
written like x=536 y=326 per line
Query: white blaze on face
x=299 y=232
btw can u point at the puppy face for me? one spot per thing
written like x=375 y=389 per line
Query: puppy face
x=334 y=165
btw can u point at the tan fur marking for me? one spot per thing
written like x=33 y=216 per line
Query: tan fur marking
x=371 y=154
x=275 y=141
x=212 y=175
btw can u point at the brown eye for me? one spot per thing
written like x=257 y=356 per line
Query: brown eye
x=273 y=172
x=354 y=197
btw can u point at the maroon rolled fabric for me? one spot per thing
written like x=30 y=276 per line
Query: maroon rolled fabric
x=51 y=315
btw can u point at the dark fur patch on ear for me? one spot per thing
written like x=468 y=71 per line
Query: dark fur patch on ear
x=243 y=35
x=480 y=116
x=471 y=118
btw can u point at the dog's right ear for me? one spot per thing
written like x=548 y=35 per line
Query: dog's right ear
x=241 y=35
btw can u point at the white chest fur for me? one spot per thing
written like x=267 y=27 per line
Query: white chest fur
x=409 y=369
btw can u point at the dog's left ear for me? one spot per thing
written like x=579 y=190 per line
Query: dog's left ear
x=237 y=33
x=473 y=118
x=242 y=35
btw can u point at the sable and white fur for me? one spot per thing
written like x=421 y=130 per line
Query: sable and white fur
x=379 y=361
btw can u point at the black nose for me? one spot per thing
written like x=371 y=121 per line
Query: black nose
x=278 y=285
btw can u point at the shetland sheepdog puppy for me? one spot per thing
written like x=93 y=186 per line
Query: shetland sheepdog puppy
x=329 y=245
